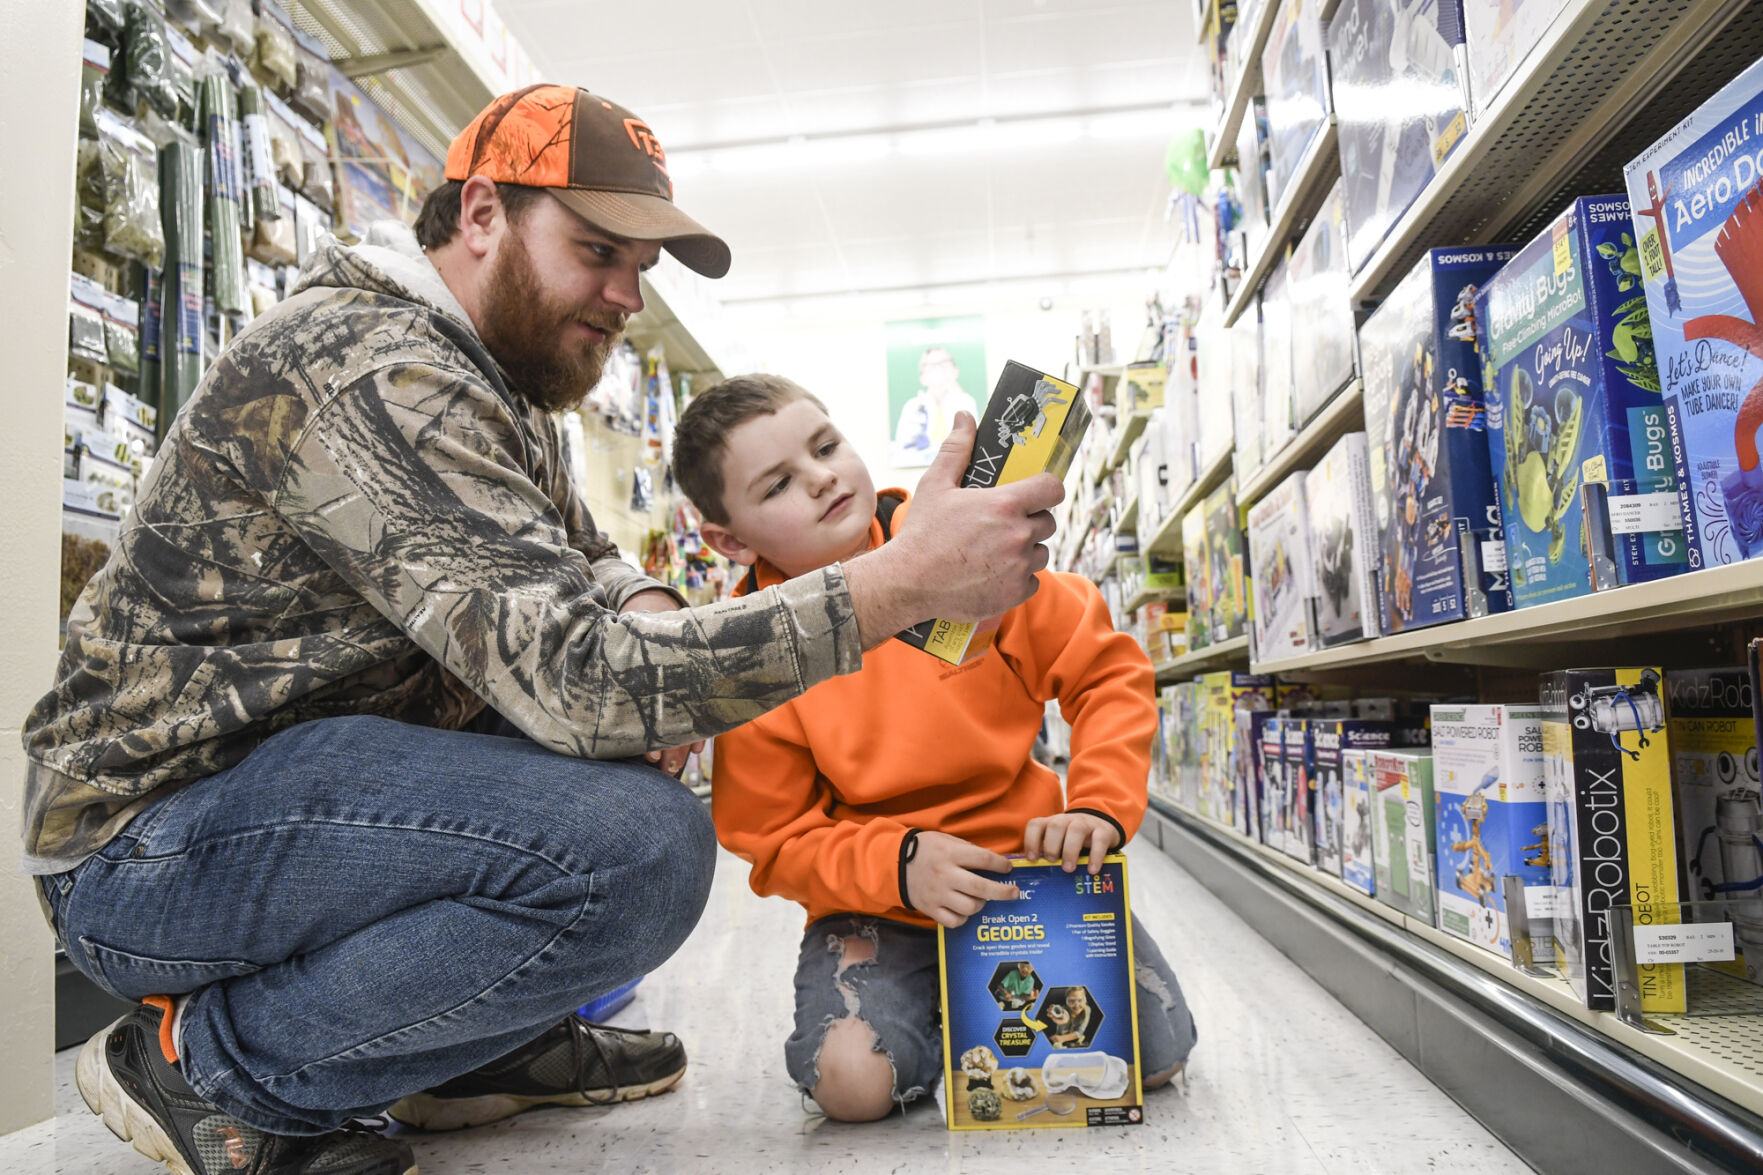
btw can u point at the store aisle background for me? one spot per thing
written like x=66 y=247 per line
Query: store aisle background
x=1285 y=1080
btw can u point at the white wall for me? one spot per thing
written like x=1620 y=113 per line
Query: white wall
x=39 y=114
x=841 y=354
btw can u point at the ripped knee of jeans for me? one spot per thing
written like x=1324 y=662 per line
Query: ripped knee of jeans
x=854 y=950
x=1149 y=980
x=855 y=1079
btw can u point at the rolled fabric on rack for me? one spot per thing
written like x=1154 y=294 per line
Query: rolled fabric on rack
x=181 y=326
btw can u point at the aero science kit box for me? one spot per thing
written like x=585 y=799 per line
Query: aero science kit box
x=1398 y=98
x=1493 y=818
x=1279 y=553
x=1033 y=424
x=1698 y=215
x=1576 y=429
x=1294 y=70
x=1719 y=819
x=1343 y=526
x=1403 y=825
x=1612 y=839
x=1440 y=555
x=1323 y=331
x=1331 y=740
x=1068 y=1054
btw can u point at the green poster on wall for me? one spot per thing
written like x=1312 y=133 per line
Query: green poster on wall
x=936 y=368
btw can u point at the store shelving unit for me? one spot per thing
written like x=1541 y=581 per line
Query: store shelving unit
x=1231 y=654
x=1129 y=431
x=1151 y=596
x=1166 y=543
x=1248 y=83
x=1129 y=515
x=1316 y=171
x=1606 y=73
x=1340 y=416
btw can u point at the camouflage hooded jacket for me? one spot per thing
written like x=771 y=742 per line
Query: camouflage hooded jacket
x=355 y=515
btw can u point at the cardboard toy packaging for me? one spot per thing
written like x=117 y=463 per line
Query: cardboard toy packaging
x=1033 y=424
x=1576 y=429
x=1611 y=834
x=1040 y=1007
x=1300 y=764
x=1277 y=360
x=1714 y=778
x=1331 y=740
x=1697 y=211
x=1323 y=331
x=1403 y=832
x=1188 y=719
x=1217 y=729
x=1492 y=811
x=1245 y=388
x=1358 y=797
x=1280 y=553
x=1254 y=160
x=1224 y=564
x=1215 y=435
x=1397 y=74
x=1251 y=784
x=1194 y=548
x=1440 y=554
x=1228 y=694
x=1294 y=70
x=1272 y=765
x=1500 y=34
x=1161 y=782
x=1343 y=523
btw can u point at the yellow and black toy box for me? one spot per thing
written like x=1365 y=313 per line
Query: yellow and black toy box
x=1033 y=424
x=1040 y=1009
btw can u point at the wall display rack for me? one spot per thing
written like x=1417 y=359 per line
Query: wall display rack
x=1316 y=173
x=1166 y=541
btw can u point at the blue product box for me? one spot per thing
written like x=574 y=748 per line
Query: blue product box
x=1272 y=751
x=1440 y=555
x=1358 y=804
x=1300 y=762
x=1398 y=94
x=1251 y=781
x=1040 y=1009
x=1576 y=428
x=1698 y=218
x=1330 y=740
x=1493 y=819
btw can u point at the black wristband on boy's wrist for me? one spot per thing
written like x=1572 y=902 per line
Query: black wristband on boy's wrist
x=908 y=850
x=1119 y=832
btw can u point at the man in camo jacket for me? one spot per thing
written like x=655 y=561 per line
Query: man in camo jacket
x=342 y=774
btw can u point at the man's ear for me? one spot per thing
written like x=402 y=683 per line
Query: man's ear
x=480 y=214
x=723 y=541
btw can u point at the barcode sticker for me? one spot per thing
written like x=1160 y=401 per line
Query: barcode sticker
x=1644 y=513
x=1706 y=943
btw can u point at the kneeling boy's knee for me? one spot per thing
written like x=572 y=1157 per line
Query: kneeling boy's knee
x=856 y=1082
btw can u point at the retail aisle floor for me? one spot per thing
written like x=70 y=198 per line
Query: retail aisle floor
x=1284 y=1080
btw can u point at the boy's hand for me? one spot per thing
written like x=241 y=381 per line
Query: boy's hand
x=1068 y=836
x=941 y=882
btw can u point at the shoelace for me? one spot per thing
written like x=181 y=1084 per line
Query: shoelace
x=580 y=1031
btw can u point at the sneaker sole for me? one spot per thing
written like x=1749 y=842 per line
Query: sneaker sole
x=424 y=1111
x=126 y=1118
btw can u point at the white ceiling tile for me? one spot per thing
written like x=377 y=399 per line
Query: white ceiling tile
x=780 y=20
x=1085 y=39
x=889 y=57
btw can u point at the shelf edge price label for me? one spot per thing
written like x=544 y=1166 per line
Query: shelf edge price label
x=1686 y=943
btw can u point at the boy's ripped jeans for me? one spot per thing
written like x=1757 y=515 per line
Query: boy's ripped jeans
x=885 y=974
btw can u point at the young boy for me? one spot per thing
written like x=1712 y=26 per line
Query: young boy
x=874 y=798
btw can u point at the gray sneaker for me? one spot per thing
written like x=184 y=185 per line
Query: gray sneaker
x=125 y=1078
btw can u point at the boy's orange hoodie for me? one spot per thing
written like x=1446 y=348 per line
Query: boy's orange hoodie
x=821 y=794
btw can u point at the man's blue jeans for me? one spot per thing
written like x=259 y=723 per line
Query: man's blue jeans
x=364 y=908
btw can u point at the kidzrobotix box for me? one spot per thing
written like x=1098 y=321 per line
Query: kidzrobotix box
x=1493 y=817
x=1719 y=818
x=1402 y=831
x=1610 y=825
x=1698 y=217
x=1437 y=519
x=1033 y=424
x=1331 y=739
x=1040 y=1007
x=1576 y=430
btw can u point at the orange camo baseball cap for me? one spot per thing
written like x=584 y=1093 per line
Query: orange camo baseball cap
x=601 y=160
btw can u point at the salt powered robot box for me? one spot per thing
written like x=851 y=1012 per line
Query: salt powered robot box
x=1040 y=1010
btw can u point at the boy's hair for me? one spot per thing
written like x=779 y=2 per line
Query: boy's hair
x=701 y=438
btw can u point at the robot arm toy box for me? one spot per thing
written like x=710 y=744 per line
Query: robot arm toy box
x=1323 y=330
x=1397 y=75
x=1040 y=1007
x=1294 y=67
x=1344 y=526
x=1440 y=555
x=1611 y=833
x=1403 y=832
x=1493 y=817
x=1698 y=217
x=1332 y=739
x=1719 y=817
x=1280 y=560
x=1576 y=429
x=1033 y=424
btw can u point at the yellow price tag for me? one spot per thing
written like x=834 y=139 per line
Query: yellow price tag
x=1595 y=471
x=1448 y=138
x=1404 y=789
x=1563 y=254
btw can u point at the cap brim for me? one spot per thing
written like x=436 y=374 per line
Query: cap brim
x=650 y=218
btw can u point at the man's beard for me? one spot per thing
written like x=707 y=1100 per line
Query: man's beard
x=524 y=331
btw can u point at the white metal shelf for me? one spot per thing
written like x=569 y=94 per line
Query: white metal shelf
x=1598 y=66
x=1711 y=596
x=1340 y=416
x=1151 y=596
x=1319 y=168
x=1167 y=541
x=1130 y=431
x=1228 y=655
x=1689 y=1053
x=1248 y=84
x=1129 y=517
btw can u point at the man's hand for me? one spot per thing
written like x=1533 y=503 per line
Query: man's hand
x=962 y=554
x=1068 y=836
x=941 y=882
x=673 y=760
